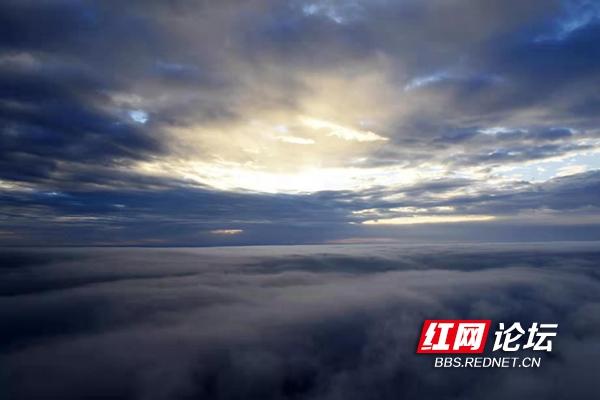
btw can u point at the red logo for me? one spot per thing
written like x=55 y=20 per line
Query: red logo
x=453 y=336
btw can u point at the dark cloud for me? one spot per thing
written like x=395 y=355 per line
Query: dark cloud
x=168 y=213
x=289 y=322
x=567 y=193
x=89 y=91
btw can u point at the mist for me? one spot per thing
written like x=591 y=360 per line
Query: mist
x=289 y=322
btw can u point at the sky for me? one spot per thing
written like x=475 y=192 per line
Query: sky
x=203 y=123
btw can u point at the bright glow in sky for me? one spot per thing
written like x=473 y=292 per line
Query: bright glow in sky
x=341 y=132
x=233 y=176
x=278 y=118
x=430 y=219
x=139 y=116
x=226 y=231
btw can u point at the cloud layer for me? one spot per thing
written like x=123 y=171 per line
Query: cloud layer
x=301 y=322
x=287 y=102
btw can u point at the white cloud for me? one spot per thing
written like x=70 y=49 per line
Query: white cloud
x=421 y=81
x=294 y=139
x=571 y=170
x=340 y=131
x=226 y=231
x=429 y=219
x=139 y=116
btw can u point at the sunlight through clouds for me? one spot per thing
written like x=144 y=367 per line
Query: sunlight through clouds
x=429 y=219
x=280 y=116
x=226 y=231
x=341 y=132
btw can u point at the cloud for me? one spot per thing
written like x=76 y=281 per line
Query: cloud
x=429 y=219
x=227 y=231
x=341 y=131
x=167 y=212
x=305 y=322
x=288 y=99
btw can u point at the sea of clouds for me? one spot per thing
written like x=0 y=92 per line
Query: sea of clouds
x=293 y=322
